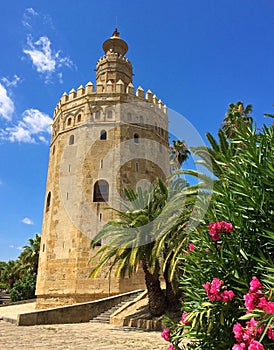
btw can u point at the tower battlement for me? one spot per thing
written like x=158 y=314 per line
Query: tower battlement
x=74 y=96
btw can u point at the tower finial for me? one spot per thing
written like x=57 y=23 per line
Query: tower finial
x=115 y=44
x=116 y=34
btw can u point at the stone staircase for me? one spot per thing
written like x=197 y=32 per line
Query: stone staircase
x=4 y=297
x=104 y=317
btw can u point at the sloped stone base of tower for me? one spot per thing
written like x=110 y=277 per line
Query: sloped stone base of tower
x=111 y=287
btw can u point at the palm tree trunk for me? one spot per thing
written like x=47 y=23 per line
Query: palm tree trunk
x=173 y=302
x=156 y=298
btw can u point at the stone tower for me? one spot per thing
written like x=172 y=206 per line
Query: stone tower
x=104 y=139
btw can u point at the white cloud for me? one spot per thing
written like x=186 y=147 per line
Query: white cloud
x=6 y=104
x=44 y=59
x=27 y=17
x=14 y=247
x=27 y=221
x=41 y=55
x=34 y=127
x=14 y=82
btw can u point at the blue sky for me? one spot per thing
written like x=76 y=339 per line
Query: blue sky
x=197 y=56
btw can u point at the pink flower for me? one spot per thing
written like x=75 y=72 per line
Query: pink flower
x=191 y=246
x=241 y=346
x=252 y=300
x=184 y=316
x=227 y=226
x=238 y=332
x=217 y=228
x=270 y=333
x=255 y=345
x=171 y=347
x=267 y=306
x=166 y=334
x=213 y=291
x=255 y=284
x=227 y=295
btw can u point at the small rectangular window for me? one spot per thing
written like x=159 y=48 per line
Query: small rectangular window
x=137 y=167
x=100 y=217
x=101 y=163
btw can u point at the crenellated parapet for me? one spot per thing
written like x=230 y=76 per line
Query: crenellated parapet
x=113 y=56
x=82 y=92
x=96 y=104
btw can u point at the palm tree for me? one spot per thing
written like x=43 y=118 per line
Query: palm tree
x=30 y=255
x=237 y=115
x=179 y=153
x=130 y=241
x=10 y=273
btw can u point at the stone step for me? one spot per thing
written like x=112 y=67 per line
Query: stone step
x=105 y=316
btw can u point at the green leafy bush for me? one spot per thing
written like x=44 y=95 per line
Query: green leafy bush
x=23 y=289
x=218 y=261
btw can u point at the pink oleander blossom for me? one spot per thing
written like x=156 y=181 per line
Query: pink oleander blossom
x=252 y=300
x=247 y=335
x=215 y=229
x=238 y=332
x=267 y=306
x=183 y=319
x=166 y=334
x=213 y=291
x=191 y=246
x=270 y=333
x=255 y=285
x=171 y=347
x=241 y=346
x=255 y=345
x=227 y=295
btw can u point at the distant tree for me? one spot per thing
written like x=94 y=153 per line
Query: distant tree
x=179 y=153
x=20 y=275
x=29 y=257
x=237 y=115
x=10 y=274
x=24 y=288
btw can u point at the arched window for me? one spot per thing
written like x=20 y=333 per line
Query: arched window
x=103 y=135
x=69 y=122
x=129 y=117
x=101 y=191
x=141 y=119
x=79 y=118
x=97 y=115
x=109 y=114
x=136 y=138
x=48 y=201
x=71 y=140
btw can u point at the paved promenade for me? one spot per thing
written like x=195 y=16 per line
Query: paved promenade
x=78 y=336
x=81 y=336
